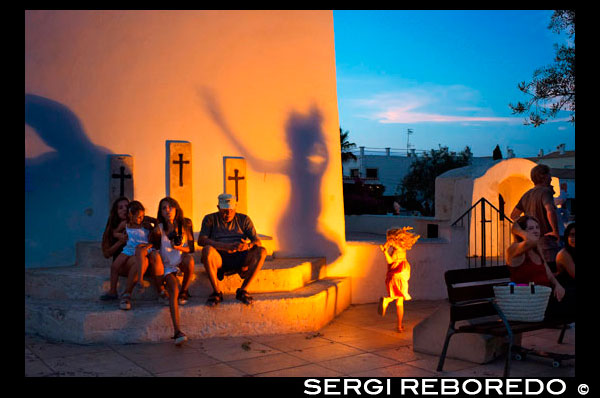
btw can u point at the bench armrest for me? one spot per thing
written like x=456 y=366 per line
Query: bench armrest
x=471 y=302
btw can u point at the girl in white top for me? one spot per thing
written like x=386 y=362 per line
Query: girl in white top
x=137 y=236
x=173 y=256
x=170 y=256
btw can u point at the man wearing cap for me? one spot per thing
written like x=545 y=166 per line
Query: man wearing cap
x=230 y=246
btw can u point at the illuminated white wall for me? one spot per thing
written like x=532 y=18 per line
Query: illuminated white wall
x=257 y=84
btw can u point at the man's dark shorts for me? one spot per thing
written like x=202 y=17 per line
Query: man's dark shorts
x=232 y=262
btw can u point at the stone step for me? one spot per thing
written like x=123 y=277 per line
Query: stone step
x=302 y=310
x=88 y=254
x=429 y=336
x=88 y=283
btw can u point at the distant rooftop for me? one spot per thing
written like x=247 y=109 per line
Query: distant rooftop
x=554 y=155
x=563 y=174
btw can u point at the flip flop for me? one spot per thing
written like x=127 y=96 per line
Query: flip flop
x=243 y=296
x=214 y=299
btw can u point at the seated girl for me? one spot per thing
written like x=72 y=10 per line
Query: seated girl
x=173 y=238
x=114 y=240
x=137 y=236
x=565 y=259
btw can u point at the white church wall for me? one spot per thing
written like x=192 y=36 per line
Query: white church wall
x=256 y=84
x=429 y=259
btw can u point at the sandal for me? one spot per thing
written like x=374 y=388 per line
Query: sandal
x=163 y=297
x=125 y=302
x=214 y=299
x=183 y=298
x=243 y=296
x=179 y=338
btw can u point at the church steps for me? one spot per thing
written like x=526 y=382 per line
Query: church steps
x=90 y=321
x=81 y=283
x=89 y=253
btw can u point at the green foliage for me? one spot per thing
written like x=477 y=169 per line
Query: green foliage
x=346 y=146
x=553 y=87
x=417 y=189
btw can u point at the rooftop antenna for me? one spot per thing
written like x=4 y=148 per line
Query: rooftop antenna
x=408 y=145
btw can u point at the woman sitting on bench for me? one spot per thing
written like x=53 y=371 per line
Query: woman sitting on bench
x=565 y=259
x=527 y=265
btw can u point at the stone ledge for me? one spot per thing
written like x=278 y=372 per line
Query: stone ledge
x=429 y=335
x=306 y=309
x=88 y=254
x=81 y=283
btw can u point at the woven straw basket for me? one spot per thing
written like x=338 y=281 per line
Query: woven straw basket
x=523 y=303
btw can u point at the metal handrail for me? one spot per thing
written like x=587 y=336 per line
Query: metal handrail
x=478 y=202
x=500 y=218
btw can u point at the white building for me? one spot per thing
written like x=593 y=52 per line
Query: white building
x=378 y=167
x=386 y=167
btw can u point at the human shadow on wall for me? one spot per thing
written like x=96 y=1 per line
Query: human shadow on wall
x=65 y=201
x=298 y=230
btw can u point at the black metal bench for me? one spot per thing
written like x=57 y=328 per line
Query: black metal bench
x=471 y=296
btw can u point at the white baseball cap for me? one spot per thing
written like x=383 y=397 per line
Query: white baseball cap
x=227 y=201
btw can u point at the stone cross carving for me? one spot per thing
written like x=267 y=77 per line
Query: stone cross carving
x=234 y=180
x=121 y=177
x=179 y=181
x=181 y=162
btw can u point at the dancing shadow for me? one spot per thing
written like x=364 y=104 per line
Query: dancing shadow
x=65 y=200
x=298 y=229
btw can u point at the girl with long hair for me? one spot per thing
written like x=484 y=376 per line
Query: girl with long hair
x=173 y=240
x=398 y=242
x=565 y=259
x=114 y=239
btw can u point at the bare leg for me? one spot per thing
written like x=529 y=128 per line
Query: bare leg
x=157 y=269
x=383 y=304
x=173 y=288
x=254 y=261
x=132 y=276
x=141 y=256
x=187 y=267
x=400 y=312
x=115 y=270
x=212 y=262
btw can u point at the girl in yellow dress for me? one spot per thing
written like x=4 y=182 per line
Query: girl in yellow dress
x=399 y=241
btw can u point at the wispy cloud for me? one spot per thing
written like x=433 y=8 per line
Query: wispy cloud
x=409 y=115
x=429 y=104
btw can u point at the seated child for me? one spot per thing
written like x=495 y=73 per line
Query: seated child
x=399 y=240
x=137 y=235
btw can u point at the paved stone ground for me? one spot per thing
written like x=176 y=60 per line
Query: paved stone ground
x=358 y=343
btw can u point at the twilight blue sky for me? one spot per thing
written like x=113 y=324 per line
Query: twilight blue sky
x=447 y=75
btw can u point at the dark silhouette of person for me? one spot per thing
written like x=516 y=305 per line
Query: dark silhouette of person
x=63 y=202
x=298 y=230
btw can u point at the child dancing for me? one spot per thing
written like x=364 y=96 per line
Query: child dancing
x=399 y=241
